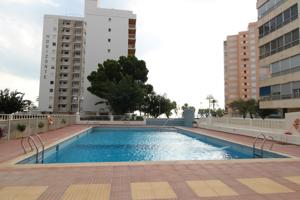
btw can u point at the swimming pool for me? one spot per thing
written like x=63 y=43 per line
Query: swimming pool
x=144 y=144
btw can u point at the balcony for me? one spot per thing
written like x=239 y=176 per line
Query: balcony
x=64 y=48
x=132 y=26
x=131 y=46
x=131 y=36
x=280 y=101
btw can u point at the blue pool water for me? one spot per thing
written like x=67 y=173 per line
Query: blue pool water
x=132 y=144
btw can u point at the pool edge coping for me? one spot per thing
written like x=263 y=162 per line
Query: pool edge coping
x=13 y=163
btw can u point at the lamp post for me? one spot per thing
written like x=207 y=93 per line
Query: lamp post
x=78 y=99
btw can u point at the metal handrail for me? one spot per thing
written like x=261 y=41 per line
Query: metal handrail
x=261 y=148
x=36 y=148
x=42 y=144
x=272 y=140
x=30 y=140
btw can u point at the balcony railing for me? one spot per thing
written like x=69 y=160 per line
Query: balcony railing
x=280 y=97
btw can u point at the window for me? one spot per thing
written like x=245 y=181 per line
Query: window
x=294 y=11
x=108 y=50
x=109 y=30
x=272 y=24
x=53 y=44
x=287 y=15
x=51 y=82
x=51 y=90
x=108 y=39
x=245 y=77
x=280 y=20
x=109 y=19
x=284 y=42
x=245 y=71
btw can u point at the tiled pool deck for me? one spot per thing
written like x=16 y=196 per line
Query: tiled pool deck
x=236 y=180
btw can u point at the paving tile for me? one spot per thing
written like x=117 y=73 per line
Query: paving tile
x=87 y=192
x=22 y=193
x=211 y=188
x=152 y=190
x=294 y=179
x=264 y=185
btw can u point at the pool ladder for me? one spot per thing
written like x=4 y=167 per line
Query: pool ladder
x=31 y=142
x=265 y=139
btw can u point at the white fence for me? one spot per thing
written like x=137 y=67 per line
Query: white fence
x=10 y=124
x=258 y=123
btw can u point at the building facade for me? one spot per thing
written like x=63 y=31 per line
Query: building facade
x=241 y=69
x=279 y=54
x=73 y=47
x=62 y=63
x=110 y=34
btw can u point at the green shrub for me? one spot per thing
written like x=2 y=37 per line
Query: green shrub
x=139 y=118
x=41 y=125
x=21 y=127
x=63 y=121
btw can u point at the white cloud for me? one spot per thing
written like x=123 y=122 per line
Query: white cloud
x=28 y=86
x=20 y=40
x=47 y=2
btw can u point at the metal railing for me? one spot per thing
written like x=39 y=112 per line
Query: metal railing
x=30 y=139
x=264 y=138
x=111 y=118
x=280 y=97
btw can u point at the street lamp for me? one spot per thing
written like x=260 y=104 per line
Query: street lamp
x=78 y=99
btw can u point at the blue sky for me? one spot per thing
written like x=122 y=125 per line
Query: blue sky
x=181 y=41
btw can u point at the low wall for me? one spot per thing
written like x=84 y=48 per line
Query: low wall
x=32 y=122
x=275 y=128
x=130 y=123
x=164 y=122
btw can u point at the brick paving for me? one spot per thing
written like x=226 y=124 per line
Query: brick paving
x=197 y=180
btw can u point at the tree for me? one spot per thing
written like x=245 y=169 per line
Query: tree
x=252 y=107
x=240 y=106
x=12 y=101
x=203 y=112
x=155 y=105
x=121 y=84
x=186 y=106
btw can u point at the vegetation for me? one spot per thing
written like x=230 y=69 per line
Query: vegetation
x=215 y=113
x=121 y=84
x=250 y=107
x=21 y=127
x=187 y=106
x=41 y=124
x=155 y=105
x=12 y=101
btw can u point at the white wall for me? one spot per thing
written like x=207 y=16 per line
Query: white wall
x=97 y=44
x=48 y=58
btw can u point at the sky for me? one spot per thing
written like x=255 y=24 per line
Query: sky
x=180 y=40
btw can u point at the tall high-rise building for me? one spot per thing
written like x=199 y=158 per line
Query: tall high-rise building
x=62 y=63
x=72 y=49
x=241 y=66
x=279 y=54
x=110 y=34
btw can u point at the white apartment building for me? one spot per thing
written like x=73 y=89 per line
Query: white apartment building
x=110 y=34
x=62 y=63
x=69 y=56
